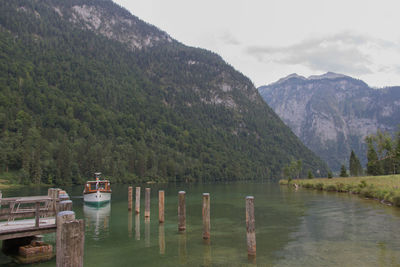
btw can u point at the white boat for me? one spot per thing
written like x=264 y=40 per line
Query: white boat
x=98 y=191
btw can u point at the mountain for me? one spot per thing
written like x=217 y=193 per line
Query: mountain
x=86 y=86
x=332 y=113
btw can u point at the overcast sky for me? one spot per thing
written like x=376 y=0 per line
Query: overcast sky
x=269 y=39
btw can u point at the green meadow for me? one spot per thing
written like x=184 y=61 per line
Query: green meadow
x=383 y=188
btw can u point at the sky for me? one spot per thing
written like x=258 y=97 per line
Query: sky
x=270 y=39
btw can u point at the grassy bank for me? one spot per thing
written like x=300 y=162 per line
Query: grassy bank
x=383 y=188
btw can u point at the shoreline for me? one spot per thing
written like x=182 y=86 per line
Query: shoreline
x=385 y=189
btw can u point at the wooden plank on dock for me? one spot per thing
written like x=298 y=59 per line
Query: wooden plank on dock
x=22 y=228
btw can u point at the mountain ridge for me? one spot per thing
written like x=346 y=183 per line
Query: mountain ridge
x=332 y=113
x=76 y=99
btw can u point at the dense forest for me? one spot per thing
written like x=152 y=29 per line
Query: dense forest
x=73 y=101
x=383 y=153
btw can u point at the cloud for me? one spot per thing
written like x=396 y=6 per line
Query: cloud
x=227 y=38
x=345 y=53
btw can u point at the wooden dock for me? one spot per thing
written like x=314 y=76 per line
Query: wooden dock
x=30 y=215
x=24 y=219
x=23 y=228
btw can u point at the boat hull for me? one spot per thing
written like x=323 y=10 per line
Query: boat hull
x=97 y=197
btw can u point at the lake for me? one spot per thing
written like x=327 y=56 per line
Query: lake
x=293 y=228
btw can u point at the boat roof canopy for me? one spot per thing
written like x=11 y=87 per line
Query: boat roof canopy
x=99 y=181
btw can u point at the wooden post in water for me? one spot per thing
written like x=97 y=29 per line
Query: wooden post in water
x=130 y=198
x=53 y=194
x=161 y=206
x=147 y=203
x=181 y=211
x=137 y=201
x=65 y=205
x=206 y=216
x=250 y=226
x=70 y=240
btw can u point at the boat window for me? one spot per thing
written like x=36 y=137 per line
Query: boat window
x=93 y=186
x=102 y=185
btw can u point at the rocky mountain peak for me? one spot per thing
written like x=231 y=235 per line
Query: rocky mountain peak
x=328 y=75
x=332 y=113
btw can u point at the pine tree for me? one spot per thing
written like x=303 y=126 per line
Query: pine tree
x=343 y=171
x=355 y=165
x=373 y=166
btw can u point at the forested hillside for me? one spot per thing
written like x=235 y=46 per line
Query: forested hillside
x=85 y=86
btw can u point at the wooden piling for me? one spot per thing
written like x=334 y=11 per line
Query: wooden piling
x=137 y=201
x=147 y=203
x=250 y=226
x=65 y=205
x=130 y=198
x=70 y=240
x=161 y=206
x=181 y=211
x=206 y=216
x=53 y=194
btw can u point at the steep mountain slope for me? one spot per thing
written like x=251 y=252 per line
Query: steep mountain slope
x=332 y=113
x=87 y=86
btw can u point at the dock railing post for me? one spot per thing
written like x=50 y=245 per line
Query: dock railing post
x=37 y=213
x=181 y=211
x=250 y=226
x=206 y=216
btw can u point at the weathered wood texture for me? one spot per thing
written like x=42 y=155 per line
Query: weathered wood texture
x=64 y=205
x=181 y=211
x=161 y=206
x=130 y=198
x=27 y=231
x=70 y=240
x=147 y=203
x=206 y=216
x=137 y=201
x=250 y=226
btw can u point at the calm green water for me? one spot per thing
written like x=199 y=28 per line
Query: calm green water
x=293 y=228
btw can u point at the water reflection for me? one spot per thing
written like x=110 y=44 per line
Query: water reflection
x=137 y=226
x=130 y=224
x=207 y=253
x=147 y=232
x=97 y=220
x=161 y=238
x=182 y=248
